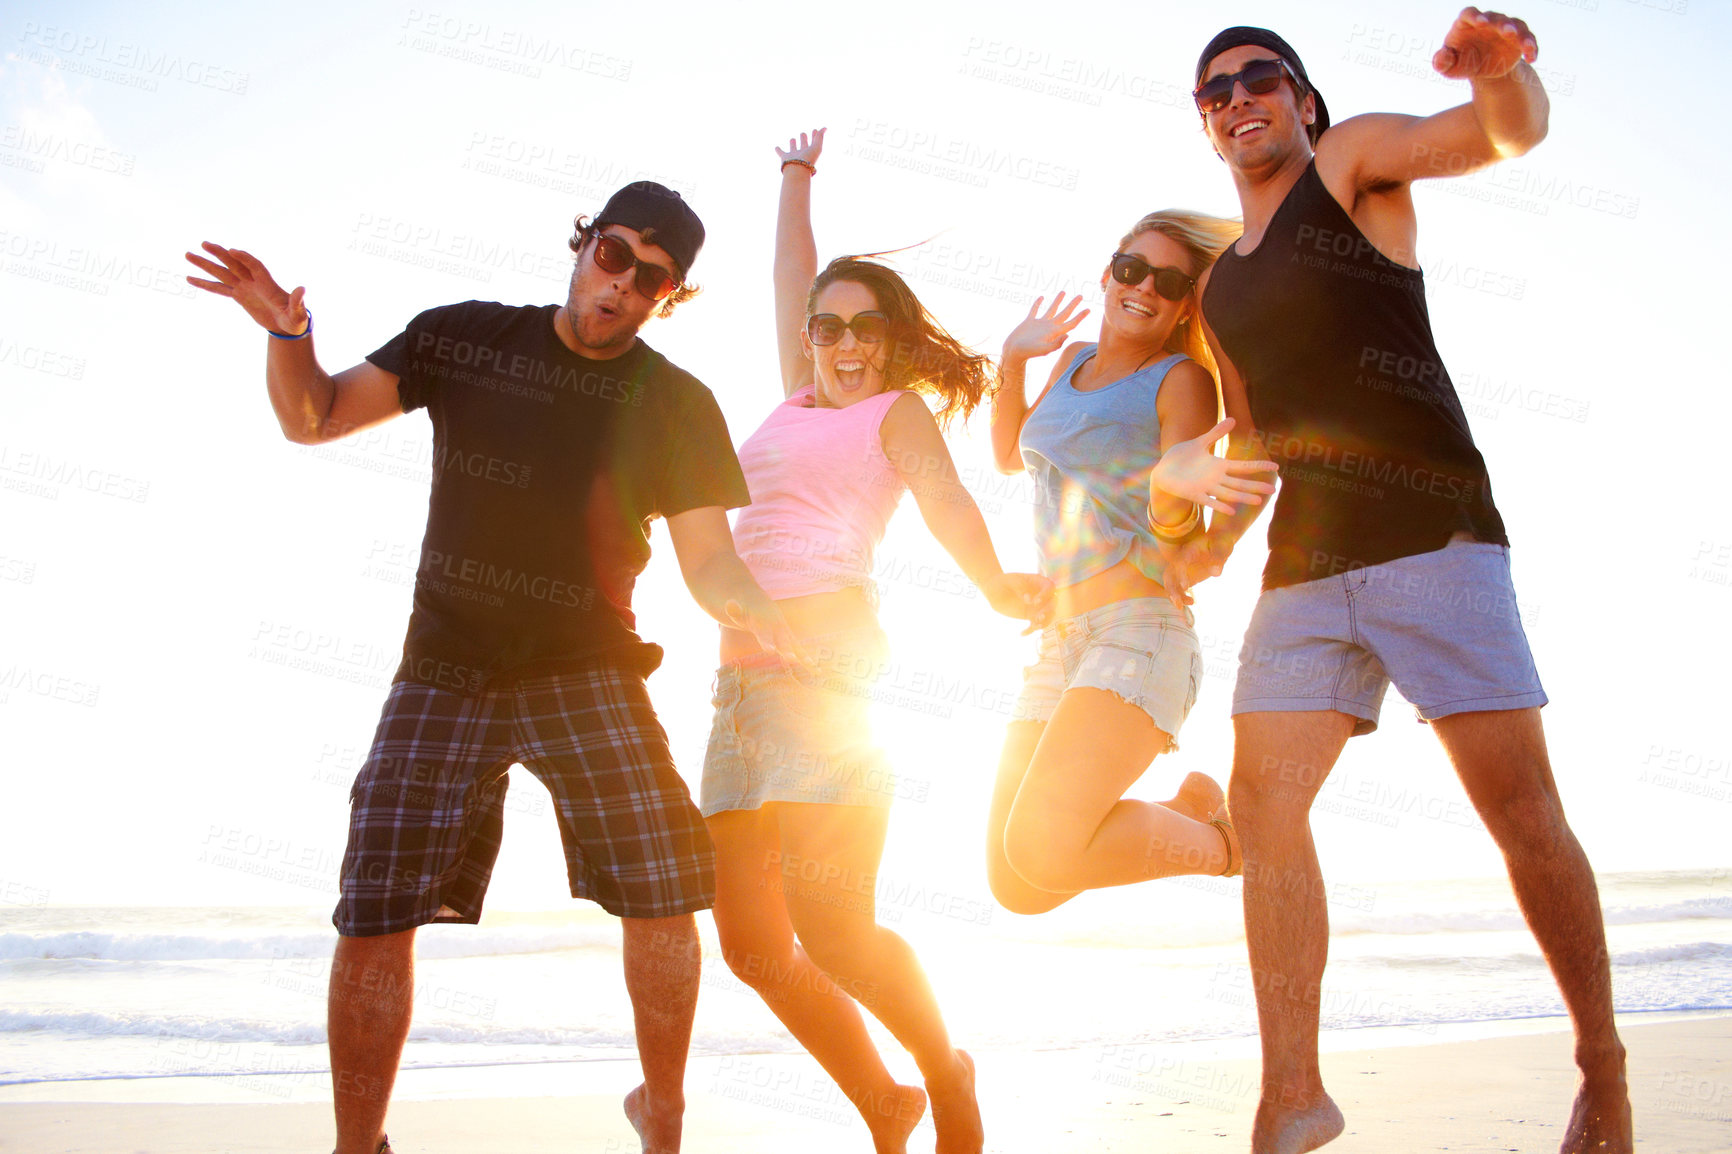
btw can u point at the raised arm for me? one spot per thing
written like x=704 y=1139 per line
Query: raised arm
x=914 y=445
x=1038 y=334
x=1507 y=116
x=312 y=406
x=796 y=261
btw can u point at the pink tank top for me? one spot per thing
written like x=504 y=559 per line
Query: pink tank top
x=822 y=495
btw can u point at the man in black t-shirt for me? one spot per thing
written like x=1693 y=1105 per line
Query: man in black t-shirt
x=558 y=436
x=1387 y=557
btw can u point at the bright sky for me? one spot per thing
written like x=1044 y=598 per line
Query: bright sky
x=198 y=620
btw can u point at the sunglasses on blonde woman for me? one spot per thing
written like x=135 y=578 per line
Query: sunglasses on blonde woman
x=1170 y=283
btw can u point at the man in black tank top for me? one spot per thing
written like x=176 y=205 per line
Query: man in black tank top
x=1387 y=556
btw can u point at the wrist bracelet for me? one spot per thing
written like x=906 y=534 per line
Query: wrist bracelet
x=300 y=336
x=805 y=164
x=1174 y=533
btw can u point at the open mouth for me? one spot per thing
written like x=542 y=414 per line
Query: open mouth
x=851 y=373
x=1137 y=308
x=1247 y=128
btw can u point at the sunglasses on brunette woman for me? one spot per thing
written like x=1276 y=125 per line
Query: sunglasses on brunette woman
x=1260 y=78
x=615 y=255
x=869 y=328
x=1170 y=283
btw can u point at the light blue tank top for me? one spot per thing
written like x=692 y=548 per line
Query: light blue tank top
x=1089 y=454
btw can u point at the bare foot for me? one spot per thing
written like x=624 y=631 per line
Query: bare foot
x=657 y=1126
x=892 y=1117
x=1600 y=1122
x=1199 y=797
x=955 y=1113
x=1283 y=1130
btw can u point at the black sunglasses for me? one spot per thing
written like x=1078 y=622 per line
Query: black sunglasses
x=1170 y=283
x=827 y=328
x=1260 y=78
x=615 y=256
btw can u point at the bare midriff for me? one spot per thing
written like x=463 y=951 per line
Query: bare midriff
x=1120 y=583
x=814 y=615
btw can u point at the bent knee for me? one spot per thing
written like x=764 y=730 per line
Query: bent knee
x=1040 y=860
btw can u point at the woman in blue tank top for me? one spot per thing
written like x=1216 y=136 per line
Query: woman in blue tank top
x=1119 y=667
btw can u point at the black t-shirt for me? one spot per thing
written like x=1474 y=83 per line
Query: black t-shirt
x=1349 y=393
x=547 y=468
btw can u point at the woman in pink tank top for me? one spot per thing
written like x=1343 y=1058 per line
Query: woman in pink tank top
x=795 y=791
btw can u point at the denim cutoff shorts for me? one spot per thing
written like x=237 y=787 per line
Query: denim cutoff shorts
x=1142 y=649
x=783 y=733
x=1443 y=626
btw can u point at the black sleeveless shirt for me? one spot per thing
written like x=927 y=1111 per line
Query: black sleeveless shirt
x=1349 y=393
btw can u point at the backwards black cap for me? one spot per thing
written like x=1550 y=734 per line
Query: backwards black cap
x=646 y=205
x=1263 y=38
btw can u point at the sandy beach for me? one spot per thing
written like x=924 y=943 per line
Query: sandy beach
x=1500 y=1093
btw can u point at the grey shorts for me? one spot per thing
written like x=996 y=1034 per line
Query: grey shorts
x=1442 y=625
x=1142 y=649
x=798 y=735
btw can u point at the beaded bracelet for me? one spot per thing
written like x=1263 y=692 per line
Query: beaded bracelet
x=805 y=164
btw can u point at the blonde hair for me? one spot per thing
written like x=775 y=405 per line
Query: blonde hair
x=1203 y=237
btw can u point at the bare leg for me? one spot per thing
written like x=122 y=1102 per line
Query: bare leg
x=1071 y=827
x=662 y=965
x=1008 y=886
x=367 y=1022
x=1279 y=763
x=758 y=943
x=1501 y=758
x=834 y=910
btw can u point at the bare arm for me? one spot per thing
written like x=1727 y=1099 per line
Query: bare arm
x=1508 y=115
x=1186 y=408
x=796 y=262
x=1037 y=335
x=913 y=443
x=1206 y=556
x=312 y=406
x=720 y=583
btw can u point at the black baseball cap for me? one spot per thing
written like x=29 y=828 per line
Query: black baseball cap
x=645 y=206
x=1241 y=35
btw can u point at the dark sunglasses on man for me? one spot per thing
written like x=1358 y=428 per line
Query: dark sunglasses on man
x=614 y=255
x=1170 y=283
x=869 y=328
x=1260 y=78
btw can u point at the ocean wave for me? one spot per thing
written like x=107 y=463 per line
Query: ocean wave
x=187 y=947
x=1491 y=919
x=221 y=1032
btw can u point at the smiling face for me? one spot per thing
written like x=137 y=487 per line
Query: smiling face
x=1254 y=132
x=1139 y=313
x=849 y=370
x=604 y=310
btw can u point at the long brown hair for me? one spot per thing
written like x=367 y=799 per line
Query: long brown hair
x=924 y=358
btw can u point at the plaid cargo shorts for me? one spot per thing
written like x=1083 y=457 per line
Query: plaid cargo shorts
x=428 y=807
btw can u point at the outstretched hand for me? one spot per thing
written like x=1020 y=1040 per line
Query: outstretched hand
x=242 y=278
x=1041 y=333
x=1191 y=470
x=1484 y=46
x=805 y=148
